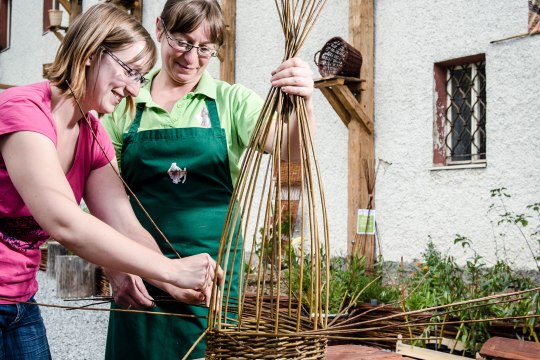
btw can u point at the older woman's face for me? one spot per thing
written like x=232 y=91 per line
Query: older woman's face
x=181 y=65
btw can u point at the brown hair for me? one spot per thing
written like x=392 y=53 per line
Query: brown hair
x=184 y=16
x=101 y=25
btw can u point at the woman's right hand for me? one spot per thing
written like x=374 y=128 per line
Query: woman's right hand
x=197 y=272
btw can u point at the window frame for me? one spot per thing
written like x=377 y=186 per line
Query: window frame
x=47 y=5
x=5 y=29
x=441 y=152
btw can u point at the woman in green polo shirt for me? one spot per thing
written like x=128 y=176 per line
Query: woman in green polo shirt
x=180 y=154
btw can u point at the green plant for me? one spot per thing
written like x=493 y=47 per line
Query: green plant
x=438 y=280
x=349 y=283
x=272 y=239
x=520 y=221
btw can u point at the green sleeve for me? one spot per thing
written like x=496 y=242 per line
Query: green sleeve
x=114 y=124
x=247 y=107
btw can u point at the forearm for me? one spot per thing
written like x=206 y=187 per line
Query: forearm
x=294 y=137
x=52 y=203
x=100 y=244
x=290 y=134
x=295 y=79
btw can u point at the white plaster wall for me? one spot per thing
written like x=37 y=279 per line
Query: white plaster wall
x=414 y=202
x=29 y=47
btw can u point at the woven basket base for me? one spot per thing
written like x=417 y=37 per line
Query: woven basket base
x=257 y=341
x=221 y=345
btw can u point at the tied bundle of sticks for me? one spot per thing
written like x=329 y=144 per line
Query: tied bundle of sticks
x=266 y=321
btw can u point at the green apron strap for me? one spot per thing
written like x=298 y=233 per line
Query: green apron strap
x=212 y=112
x=137 y=121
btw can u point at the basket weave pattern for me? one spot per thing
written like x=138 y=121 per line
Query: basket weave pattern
x=254 y=336
x=255 y=340
x=337 y=57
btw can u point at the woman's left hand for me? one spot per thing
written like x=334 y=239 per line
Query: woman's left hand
x=294 y=77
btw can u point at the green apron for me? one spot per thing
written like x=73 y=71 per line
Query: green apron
x=190 y=210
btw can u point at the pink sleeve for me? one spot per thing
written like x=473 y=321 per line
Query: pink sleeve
x=23 y=114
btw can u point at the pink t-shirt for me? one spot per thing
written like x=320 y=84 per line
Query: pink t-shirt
x=28 y=108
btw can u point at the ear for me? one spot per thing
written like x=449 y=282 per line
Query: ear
x=159 y=28
x=89 y=61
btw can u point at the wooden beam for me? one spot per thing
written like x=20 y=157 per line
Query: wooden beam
x=73 y=8
x=337 y=106
x=66 y=4
x=76 y=10
x=137 y=10
x=355 y=110
x=339 y=91
x=361 y=143
x=227 y=51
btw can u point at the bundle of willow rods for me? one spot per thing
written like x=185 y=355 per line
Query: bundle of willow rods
x=268 y=325
x=380 y=326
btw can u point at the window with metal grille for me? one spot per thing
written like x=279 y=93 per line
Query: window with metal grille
x=460 y=112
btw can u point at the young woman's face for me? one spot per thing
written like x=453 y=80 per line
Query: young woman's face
x=113 y=76
x=184 y=57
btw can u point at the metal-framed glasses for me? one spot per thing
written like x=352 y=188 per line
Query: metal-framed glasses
x=131 y=73
x=183 y=46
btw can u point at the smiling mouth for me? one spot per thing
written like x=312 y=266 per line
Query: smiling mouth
x=185 y=67
x=117 y=96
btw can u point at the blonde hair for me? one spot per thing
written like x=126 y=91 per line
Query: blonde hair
x=100 y=25
x=184 y=16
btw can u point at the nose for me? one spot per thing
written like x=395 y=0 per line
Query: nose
x=133 y=87
x=192 y=54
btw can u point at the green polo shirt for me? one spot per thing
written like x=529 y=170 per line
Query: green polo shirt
x=238 y=108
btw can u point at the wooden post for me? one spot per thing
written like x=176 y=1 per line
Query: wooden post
x=44 y=252
x=73 y=7
x=54 y=249
x=76 y=10
x=103 y=287
x=75 y=277
x=361 y=144
x=227 y=51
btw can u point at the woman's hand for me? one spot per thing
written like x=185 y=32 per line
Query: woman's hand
x=294 y=77
x=129 y=291
x=197 y=272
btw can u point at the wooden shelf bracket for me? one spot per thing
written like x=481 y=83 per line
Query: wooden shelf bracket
x=337 y=90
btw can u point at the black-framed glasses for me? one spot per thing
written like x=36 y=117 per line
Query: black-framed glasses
x=131 y=73
x=183 y=46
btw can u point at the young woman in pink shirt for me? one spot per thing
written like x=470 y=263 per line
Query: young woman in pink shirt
x=53 y=154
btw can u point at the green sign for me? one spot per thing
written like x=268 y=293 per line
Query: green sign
x=365 y=223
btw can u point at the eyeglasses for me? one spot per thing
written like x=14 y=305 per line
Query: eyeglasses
x=183 y=46
x=132 y=74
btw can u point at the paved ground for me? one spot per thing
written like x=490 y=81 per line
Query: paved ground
x=73 y=334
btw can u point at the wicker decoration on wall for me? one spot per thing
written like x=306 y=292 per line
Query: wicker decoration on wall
x=338 y=57
x=271 y=318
